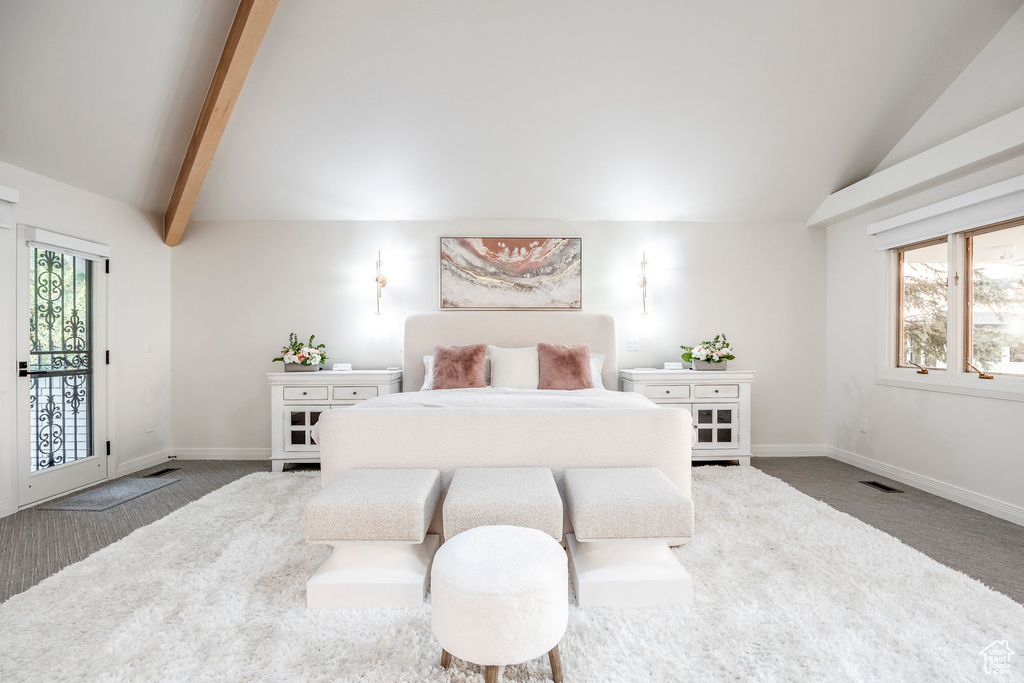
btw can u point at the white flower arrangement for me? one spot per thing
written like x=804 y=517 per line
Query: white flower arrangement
x=715 y=351
x=303 y=353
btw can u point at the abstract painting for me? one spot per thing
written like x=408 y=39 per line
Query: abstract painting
x=481 y=273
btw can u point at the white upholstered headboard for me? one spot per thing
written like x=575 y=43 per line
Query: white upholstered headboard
x=509 y=329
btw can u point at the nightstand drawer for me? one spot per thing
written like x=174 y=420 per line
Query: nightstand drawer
x=656 y=391
x=353 y=393
x=305 y=393
x=717 y=391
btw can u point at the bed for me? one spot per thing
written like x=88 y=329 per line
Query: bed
x=493 y=427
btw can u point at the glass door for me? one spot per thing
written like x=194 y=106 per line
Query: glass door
x=62 y=444
x=717 y=425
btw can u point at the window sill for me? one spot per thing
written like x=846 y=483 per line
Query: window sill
x=1002 y=387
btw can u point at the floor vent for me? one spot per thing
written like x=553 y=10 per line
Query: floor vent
x=164 y=471
x=885 y=488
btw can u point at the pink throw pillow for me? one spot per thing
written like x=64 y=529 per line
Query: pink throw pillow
x=564 y=367
x=459 y=367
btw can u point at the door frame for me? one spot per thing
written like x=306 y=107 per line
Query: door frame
x=70 y=477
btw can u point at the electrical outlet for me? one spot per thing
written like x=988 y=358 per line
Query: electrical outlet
x=149 y=425
x=864 y=425
x=149 y=346
x=632 y=343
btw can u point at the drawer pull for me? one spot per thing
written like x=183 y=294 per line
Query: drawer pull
x=668 y=391
x=303 y=393
x=719 y=391
x=354 y=393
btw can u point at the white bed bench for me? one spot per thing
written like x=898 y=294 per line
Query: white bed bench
x=624 y=521
x=376 y=522
x=503 y=496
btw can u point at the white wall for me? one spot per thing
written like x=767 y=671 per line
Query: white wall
x=238 y=289
x=138 y=309
x=965 y=447
x=992 y=85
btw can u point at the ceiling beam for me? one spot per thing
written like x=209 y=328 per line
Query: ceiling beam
x=986 y=145
x=247 y=31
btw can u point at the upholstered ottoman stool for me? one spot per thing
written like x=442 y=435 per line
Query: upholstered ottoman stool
x=516 y=496
x=376 y=520
x=499 y=595
x=624 y=519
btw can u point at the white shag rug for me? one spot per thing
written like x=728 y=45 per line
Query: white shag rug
x=787 y=589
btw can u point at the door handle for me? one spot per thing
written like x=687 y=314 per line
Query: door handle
x=22 y=368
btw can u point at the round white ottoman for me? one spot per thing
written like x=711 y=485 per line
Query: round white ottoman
x=500 y=595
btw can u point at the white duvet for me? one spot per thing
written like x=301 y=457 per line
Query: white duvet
x=492 y=397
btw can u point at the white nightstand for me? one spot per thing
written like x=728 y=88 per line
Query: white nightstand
x=298 y=398
x=718 y=400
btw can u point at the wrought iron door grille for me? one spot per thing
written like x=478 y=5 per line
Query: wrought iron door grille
x=60 y=359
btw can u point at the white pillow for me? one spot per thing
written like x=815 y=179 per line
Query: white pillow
x=514 y=368
x=428 y=372
x=596 y=366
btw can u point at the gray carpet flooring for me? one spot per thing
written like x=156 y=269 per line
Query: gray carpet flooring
x=984 y=547
x=37 y=543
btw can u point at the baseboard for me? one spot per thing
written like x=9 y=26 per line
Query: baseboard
x=222 y=453
x=142 y=463
x=976 y=501
x=792 y=451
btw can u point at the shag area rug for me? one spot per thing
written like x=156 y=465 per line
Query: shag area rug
x=787 y=589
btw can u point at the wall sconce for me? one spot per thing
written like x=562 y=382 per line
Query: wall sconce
x=643 y=279
x=380 y=280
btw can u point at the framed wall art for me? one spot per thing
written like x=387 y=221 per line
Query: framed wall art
x=512 y=273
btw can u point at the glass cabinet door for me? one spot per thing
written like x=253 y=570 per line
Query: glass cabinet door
x=717 y=425
x=298 y=426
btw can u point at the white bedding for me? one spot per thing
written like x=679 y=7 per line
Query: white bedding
x=493 y=397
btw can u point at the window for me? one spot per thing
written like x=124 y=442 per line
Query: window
x=923 y=306
x=995 y=300
x=959 y=302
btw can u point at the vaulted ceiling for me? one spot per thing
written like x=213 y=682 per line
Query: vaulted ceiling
x=400 y=109
x=103 y=94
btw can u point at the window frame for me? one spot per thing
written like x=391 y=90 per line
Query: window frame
x=956 y=378
x=900 y=286
x=968 y=307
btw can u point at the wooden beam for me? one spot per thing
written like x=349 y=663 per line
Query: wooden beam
x=247 y=31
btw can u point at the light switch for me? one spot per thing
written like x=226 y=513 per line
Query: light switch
x=632 y=343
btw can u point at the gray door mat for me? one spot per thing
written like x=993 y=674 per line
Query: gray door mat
x=108 y=496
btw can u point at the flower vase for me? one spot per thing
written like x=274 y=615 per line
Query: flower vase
x=709 y=365
x=299 y=367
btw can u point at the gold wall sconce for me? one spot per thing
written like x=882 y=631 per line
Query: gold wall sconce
x=643 y=279
x=380 y=280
